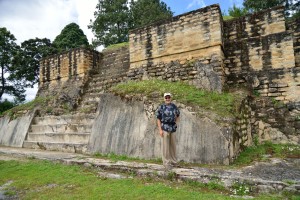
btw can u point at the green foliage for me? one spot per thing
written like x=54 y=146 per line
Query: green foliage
x=6 y=105
x=70 y=37
x=114 y=157
x=226 y=17
x=145 y=12
x=75 y=182
x=32 y=51
x=114 y=18
x=8 y=51
x=20 y=109
x=171 y=176
x=256 y=93
x=222 y=104
x=257 y=5
x=116 y=46
x=256 y=153
x=291 y=7
x=112 y=22
x=241 y=189
x=237 y=12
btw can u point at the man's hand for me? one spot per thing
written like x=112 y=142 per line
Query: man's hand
x=161 y=133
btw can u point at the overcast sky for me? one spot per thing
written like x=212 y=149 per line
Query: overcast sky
x=28 y=19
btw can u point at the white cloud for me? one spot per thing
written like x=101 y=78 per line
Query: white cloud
x=198 y=3
x=39 y=18
x=44 y=19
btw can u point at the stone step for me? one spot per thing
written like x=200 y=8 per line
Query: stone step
x=101 y=77
x=106 y=80
x=64 y=147
x=60 y=128
x=96 y=90
x=78 y=138
x=98 y=85
x=65 y=119
x=92 y=95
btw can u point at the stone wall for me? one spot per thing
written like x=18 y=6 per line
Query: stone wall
x=294 y=28
x=59 y=68
x=113 y=67
x=13 y=131
x=262 y=54
x=259 y=52
x=122 y=127
x=170 y=47
x=63 y=78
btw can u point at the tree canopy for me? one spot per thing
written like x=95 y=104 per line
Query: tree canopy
x=32 y=51
x=112 y=22
x=291 y=7
x=236 y=11
x=8 y=51
x=114 y=18
x=70 y=37
x=145 y=12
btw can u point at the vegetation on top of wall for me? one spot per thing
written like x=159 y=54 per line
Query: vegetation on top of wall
x=226 y=17
x=23 y=108
x=223 y=104
x=116 y=46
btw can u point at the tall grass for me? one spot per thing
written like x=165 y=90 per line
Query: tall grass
x=222 y=104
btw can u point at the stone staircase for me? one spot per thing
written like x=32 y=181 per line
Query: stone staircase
x=97 y=86
x=71 y=133
x=68 y=133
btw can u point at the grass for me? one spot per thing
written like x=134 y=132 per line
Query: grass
x=116 y=46
x=18 y=110
x=222 y=104
x=258 y=152
x=36 y=179
x=114 y=157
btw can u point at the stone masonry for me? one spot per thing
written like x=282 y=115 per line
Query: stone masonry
x=257 y=53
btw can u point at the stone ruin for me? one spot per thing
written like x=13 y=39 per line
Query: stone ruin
x=259 y=53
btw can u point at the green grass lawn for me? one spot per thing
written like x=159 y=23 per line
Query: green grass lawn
x=34 y=179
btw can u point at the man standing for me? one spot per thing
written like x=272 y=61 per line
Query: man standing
x=167 y=119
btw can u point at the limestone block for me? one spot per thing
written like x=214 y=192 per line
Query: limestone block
x=126 y=130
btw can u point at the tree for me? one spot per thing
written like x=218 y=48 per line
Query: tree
x=70 y=37
x=112 y=22
x=28 y=59
x=257 y=5
x=295 y=9
x=291 y=6
x=236 y=11
x=145 y=12
x=8 y=51
x=6 y=105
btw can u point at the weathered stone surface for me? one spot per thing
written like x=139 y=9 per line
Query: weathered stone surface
x=170 y=41
x=14 y=131
x=123 y=128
